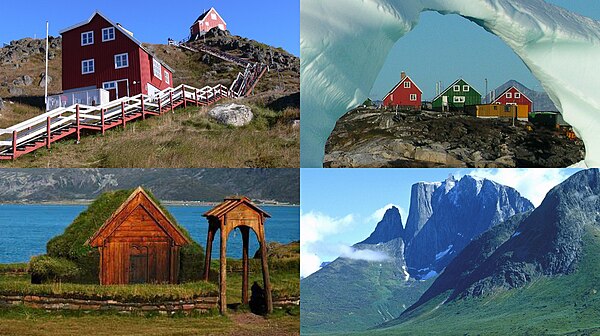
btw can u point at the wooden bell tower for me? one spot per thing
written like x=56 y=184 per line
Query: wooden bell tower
x=232 y=213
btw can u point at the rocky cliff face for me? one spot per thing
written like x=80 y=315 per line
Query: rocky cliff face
x=547 y=241
x=460 y=211
x=389 y=228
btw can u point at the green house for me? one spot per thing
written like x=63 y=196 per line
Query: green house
x=458 y=95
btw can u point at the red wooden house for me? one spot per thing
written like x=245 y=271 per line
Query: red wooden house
x=101 y=54
x=207 y=21
x=405 y=94
x=512 y=96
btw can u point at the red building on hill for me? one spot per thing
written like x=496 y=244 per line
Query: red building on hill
x=207 y=21
x=512 y=96
x=405 y=94
x=101 y=54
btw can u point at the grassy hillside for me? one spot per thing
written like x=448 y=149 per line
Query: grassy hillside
x=567 y=304
x=349 y=295
x=187 y=138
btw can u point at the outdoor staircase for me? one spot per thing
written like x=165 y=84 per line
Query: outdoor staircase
x=45 y=129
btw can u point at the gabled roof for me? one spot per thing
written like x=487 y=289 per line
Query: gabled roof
x=201 y=17
x=402 y=81
x=231 y=203
x=505 y=91
x=119 y=216
x=119 y=28
x=451 y=85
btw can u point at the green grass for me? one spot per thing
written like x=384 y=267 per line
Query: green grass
x=13 y=268
x=567 y=304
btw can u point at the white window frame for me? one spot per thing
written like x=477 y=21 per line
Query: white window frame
x=213 y=16
x=167 y=77
x=221 y=26
x=109 y=85
x=88 y=37
x=88 y=62
x=206 y=23
x=407 y=85
x=110 y=31
x=413 y=97
x=466 y=88
x=458 y=99
x=509 y=95
x=456 y=88
x=123 y=64
x=517 y=95
x=156 y=69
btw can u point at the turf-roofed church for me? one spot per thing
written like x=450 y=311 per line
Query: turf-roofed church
x=138 y=244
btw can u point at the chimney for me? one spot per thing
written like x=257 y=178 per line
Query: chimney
x=402 y=75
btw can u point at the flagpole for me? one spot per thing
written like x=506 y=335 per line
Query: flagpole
x=46 y=74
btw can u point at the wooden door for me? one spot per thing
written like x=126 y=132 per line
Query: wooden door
x=122 y=88
x=138 y=269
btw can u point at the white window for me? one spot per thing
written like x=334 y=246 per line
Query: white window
x=213 y=16
x=156 y=68
x=407 y=85
x=167 y=79
x=509 y=95
x=221 y=26
x=517 y=95
x=121 y=61
x=466 y=88
x=108 y=34
x=109 y=85
x=87 y=38
x=206 y=23
x=459 y=99
x=456 y=88
x=413 y=97
x=87 y=66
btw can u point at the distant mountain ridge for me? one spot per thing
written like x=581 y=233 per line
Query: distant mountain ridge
x=42 y=185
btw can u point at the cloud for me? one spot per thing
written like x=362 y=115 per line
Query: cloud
x=378 y=214
x=366 y=255
x=531 y=183
x=315 y=227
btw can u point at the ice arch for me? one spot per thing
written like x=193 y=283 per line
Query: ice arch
x=344 y=44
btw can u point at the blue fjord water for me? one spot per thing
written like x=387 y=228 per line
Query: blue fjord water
x=25 y=229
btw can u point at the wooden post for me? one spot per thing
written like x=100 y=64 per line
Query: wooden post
x=143 y=109
x=159 y=106
x=123 y=114
x=196 y=93
x=245 y=236
x=102 y=122
x=14 y=139
x=223 y=272
x=48 y=133
x=171 y=99
x=208 y=252
x=184 y=97
x=265 y=267
x=77 y=123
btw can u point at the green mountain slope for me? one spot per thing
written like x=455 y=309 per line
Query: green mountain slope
x=566 y=304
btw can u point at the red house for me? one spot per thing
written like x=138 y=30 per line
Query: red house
x=405 y=94
x=207 y=21
x=101 y=54
x=512 y=96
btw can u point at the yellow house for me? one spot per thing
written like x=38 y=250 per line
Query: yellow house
x=500 y=111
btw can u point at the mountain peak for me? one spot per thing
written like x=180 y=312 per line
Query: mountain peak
x=389 y=228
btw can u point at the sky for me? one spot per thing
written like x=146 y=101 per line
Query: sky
x=340 y=207
x=444 y=48
x=273 y=22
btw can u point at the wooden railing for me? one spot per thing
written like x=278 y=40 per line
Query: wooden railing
x=54 y=125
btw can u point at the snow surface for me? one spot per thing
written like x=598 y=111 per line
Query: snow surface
x=344 y=45
x=515 y=234
x=443 y=253
x=429 y=275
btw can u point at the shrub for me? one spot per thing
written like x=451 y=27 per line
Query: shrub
x=45 y=269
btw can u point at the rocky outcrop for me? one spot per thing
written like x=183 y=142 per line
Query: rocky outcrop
x=19 y=51
x=378 y=138
x=232 y=114
x=44 y=78
x=389 y=228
